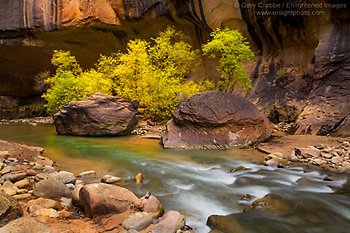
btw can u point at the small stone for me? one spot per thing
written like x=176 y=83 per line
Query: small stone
x=22 y=191
x=326 y=155
x=5 y=170
x=152 y=205
x=3 y=154
x=65 y=214
x=71 y=187
x=49 y=169
x=38 y=166
x=245 y=199
x=346 y=144
x=171 y=221
x=22 y=183
x=9 y=188
x=41 y=203
x=87 y=173
x=138 y=221
x=292 y=157
x=27 y=225
x=47 y=212
x=337 y=160
x=66 y=202
x=16 y=177
x=138 y=178
x=22 y=196
x=75 y=195
x=78 y=182
x=236 y=169
x=66 y=177
x=31 y=172
x=111 y=179
x=13 y=160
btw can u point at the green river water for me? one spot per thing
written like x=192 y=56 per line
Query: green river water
x=198 y=183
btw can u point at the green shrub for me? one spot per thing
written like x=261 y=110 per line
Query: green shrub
x=233 y=49
x=154 y=73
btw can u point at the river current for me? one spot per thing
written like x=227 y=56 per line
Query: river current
x=199 y=183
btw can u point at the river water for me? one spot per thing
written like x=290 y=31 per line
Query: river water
x=199 y=183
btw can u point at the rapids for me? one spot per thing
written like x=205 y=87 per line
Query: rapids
x=198 y=183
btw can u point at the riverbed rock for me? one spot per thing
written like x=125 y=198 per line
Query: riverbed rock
x=25 y=225
x=24 y=152
x=97 y=115
x=138 y=221
x=22 y=183
x=170 y=222
x=224 y=223
x=51 y=188
x=102 y=199
x=108 y=179
x=75 y=195
x=9 y=188
x=271 y=203
x=9 y=209
x=152 y=205
x=215 y=119
x=41 y=203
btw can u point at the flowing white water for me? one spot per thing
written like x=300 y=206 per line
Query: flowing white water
x=196 y=183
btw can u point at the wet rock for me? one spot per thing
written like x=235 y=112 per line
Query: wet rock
x=138 y=221
x=152 y=205
x=25 y=225
x=305 y=181
x=22 y=183
x=9 y=188
x=51 y=188
x=138 y=178
x=272 y=203
x=215 y=119
x=170 y=222
x=236 y=169
x=108 y=179
x=102 y=199
x=9 y=209
x=224 y=223
x=87 y=173
x=97 y=115
x=245 y=199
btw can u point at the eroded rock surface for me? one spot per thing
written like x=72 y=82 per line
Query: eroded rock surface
x=102 y=199
x=97 y=115
x=216 y=119
x=9 y=209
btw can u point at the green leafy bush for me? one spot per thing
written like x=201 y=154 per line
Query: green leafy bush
x=154 y=73
x=233 y=49
x=70 y=83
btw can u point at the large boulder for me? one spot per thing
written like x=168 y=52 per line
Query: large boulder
x=215 y=119
x=102 y=199
x=97 y=115
x=25 y=225
x=9 y=209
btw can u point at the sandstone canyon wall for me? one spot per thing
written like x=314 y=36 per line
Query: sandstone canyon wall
x=300 y=73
